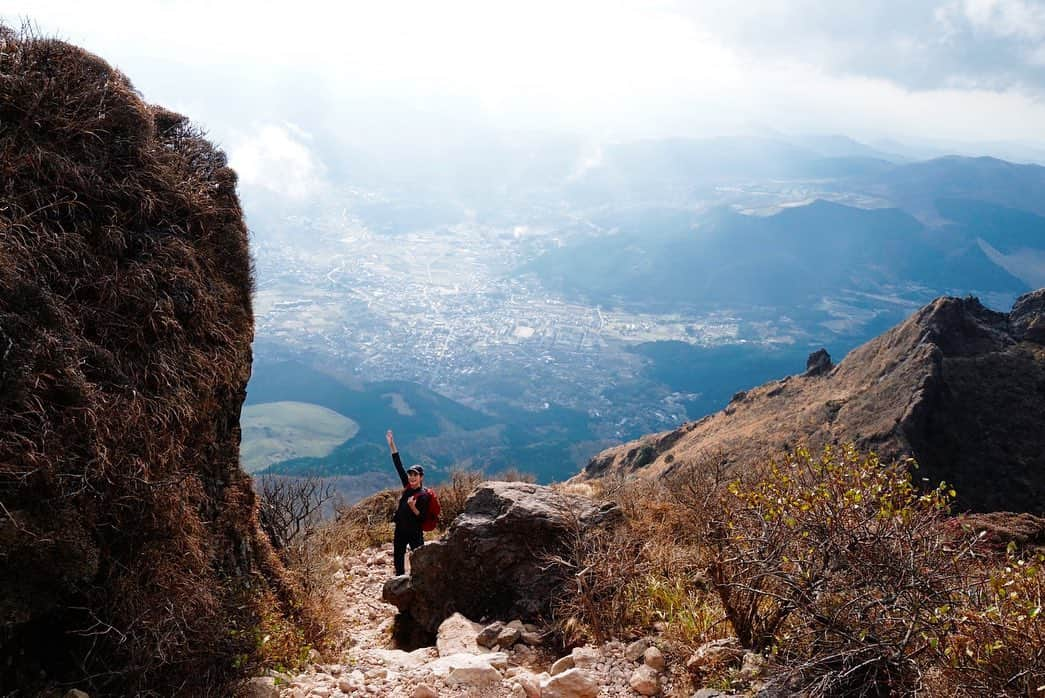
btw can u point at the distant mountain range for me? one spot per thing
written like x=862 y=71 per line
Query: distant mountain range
x=796 y=256
x=803 y=241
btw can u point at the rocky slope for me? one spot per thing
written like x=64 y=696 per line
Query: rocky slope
x=465 y=658
x=957 y=386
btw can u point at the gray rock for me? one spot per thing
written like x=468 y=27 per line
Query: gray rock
x=470 y=669
x=480 y=675
x=1027 y=318
x=490 y=562
x=457 y=634
x=584 y=657
x=653 y=658
x=635 y=650
x=507 y=637
x=424 y=691
x=488 y=636
x=645 y=681
x=572 y=683
x=818 y=363
x=714 y=654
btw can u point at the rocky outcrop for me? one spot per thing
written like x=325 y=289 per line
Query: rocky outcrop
x=957 y=386
x=492 y=561
x=129 y=548
x=818 y=363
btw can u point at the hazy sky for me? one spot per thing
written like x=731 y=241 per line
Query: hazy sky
x=266 y=77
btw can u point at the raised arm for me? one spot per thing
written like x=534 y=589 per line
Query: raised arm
x=395 y=457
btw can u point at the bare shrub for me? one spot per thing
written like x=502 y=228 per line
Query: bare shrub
x=453 y=493
x=364 y=524
x=600 y=567
x=290 y=508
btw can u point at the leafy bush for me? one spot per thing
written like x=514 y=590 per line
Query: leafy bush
x=840 y=568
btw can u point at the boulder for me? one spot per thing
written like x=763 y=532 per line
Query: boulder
x=424 y=691
x=634 y=652
x=645 y=681
x=530 y=684
x=654 y=658
x=562 y=664
x=585 y=657
x=572 y=683
x=470 y=669
x=400 y=660
x=457 y=634
x=488 y=636
x=1027 y=318
x=507 y=637
x=492 y=561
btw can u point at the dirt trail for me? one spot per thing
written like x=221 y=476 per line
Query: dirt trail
x=368 y=666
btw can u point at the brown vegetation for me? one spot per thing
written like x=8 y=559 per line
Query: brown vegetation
x=130 y=555
x=835 y=567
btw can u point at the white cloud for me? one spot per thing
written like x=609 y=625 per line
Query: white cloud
x=1007 y=18
x=276 y=158
x=390 y=71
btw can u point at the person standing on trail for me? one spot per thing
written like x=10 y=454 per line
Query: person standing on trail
x=413 y=505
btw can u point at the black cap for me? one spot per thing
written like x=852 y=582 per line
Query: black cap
x=415 y=468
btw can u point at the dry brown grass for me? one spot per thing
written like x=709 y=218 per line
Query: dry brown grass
x=850 y=580
x=131 y=560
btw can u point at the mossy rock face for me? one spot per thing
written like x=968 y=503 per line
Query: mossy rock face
x=128 y=538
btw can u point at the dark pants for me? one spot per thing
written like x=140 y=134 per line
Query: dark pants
x=401 y=539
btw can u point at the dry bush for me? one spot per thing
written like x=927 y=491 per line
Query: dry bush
x=290 y=508
x=364 y=524
x=513 y=474
x=129 y=544
x=997 y=644
x=841 y=569
x=646 y=570
x=453 y=493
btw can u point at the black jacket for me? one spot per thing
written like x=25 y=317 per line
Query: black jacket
x=405 y=518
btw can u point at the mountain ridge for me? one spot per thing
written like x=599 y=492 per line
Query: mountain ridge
x=957 y=386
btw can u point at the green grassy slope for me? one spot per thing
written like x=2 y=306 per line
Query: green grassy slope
x=278 y=431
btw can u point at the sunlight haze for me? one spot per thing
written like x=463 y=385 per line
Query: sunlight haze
x=953 y=71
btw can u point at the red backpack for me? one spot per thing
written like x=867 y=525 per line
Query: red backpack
x=431 y=520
